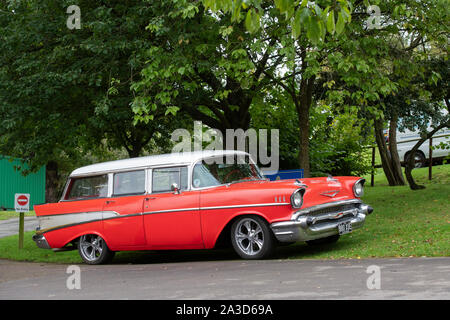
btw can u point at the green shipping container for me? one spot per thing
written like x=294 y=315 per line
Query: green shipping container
x=12 y=182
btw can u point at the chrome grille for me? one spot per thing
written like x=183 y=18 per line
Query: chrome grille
x=329 y=212
x=339 y=208
x=336 y=213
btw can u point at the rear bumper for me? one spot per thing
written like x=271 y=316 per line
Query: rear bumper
x=41 y=242
x=321 y=221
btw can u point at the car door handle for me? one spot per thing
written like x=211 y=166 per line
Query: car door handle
x=110 y=201
x=149 y=198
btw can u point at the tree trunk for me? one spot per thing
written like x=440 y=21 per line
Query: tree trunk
x=303 y=147
x=395 y=160
x=51 y=182
x=303 y=105
x=388 y=164
x=410 y=164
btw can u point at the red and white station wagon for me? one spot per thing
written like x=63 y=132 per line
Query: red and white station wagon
x=195 y=201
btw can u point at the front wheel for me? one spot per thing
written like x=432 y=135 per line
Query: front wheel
x=93 y=249
x=252 y=238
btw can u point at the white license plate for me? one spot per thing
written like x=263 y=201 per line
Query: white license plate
x=345 y=227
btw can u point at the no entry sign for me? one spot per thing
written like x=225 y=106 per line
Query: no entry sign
x=22 y=202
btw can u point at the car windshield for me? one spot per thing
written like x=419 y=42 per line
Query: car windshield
x=222 y=170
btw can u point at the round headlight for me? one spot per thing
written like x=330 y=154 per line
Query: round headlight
x=297 y=199
x=358 y=188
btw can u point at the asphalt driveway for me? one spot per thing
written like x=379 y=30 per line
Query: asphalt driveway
x=406 y=278
x=276 y=279
x=11 y=226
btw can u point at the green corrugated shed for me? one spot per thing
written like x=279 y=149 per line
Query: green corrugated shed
x=12 y=182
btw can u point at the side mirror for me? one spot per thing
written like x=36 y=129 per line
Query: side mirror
x=175 y=188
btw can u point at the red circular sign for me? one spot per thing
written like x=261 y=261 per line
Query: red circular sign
x=22 y=200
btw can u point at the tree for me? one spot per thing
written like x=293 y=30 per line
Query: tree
x=379 y=71
x=66 y=93
x=214 y=70
x=201 y=65
x=435 y=110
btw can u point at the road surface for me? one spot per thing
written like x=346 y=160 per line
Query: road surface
x=11 y=226
x=405 y=278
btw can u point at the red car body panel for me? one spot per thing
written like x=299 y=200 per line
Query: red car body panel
x=172 y=221
x=193 y=219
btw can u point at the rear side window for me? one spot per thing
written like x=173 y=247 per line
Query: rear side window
x=88 y=188
x=129 y=183
x=164 y=178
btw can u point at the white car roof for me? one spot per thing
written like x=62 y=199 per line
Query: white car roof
x=184 y=158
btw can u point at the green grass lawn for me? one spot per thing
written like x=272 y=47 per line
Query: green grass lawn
x=405 y=223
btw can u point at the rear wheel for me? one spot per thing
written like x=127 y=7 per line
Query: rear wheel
x=419 y=159
x=252 y=238
x=93 y=249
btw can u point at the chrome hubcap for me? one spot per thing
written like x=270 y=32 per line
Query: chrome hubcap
x=249 y=236
x=91 y=246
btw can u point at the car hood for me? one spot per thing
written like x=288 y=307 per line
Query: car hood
x=317 y=190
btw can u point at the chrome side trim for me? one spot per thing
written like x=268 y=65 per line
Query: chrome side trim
x=58 y=221
x=170 y=210
x=247 y=205
x=219 y=207
x=64 y=220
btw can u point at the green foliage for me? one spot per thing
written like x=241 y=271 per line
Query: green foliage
x=316 y=17
x=201 y=65
x=66 y=93
x=277 y=112
x=339 y=144
x=137 y=69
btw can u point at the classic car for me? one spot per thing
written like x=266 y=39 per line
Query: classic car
x=195 y=200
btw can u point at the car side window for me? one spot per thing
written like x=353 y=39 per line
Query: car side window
x=202 y=177
x=163 y=179
x=88 y=187
x=129 y=183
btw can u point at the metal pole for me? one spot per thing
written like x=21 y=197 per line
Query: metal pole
x=430 y=165
x=21 y=228
x=372 y=174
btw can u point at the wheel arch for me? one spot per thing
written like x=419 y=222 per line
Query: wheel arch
x=223 y=239
x=74 y=238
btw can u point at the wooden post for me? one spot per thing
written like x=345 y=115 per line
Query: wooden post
x=372 y=174
x=21 y=229
x=21 y=205
x=430 y=164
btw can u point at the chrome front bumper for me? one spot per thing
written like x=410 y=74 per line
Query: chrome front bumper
x=321 y=221
x=41 y=242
